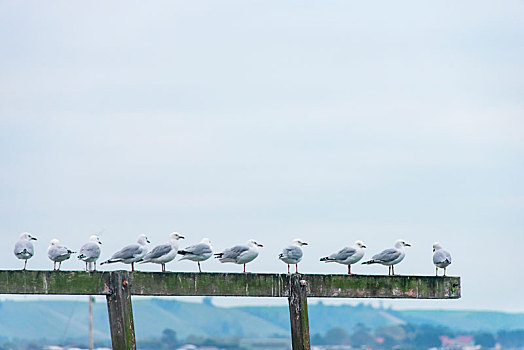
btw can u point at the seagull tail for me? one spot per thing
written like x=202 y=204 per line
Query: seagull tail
x=218 y=255
x=81 y=256
x=109 y=262
x=280 y=256
x=369 y=262
x=183 y=252
x=327 y=259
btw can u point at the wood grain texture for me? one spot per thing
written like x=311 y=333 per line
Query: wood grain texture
x=230 y=284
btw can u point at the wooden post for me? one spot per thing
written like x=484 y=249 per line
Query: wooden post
x=121 y=311
x=91 y=339
x=298 y=312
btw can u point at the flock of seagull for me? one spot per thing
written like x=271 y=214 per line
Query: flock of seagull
x=239 y=254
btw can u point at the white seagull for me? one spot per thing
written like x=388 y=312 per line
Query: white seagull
x=90 y=252
x=441 y=258
x=58 y=253
x=240 y=254
x=292 y=254
x=348 y=255
x=130 y=253
x=390 y=257
x=24 y=248
x=164 y=253
x=198 y=252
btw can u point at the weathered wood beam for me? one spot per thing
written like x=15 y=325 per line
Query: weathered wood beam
x=120 y=311
x=54 y=282
x=230 y=284
x=298 y=314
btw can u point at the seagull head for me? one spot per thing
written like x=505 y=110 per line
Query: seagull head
x=175 y=236
x=359 y=244
x=401 y=243
x=205 y=240
x=142 y=239
x=299 y=242
x=254 y=243
x=27 y=236
x=436 y=246
x=54 y=241
x=94 y=238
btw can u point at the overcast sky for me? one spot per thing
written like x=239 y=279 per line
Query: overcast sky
x=326 y=120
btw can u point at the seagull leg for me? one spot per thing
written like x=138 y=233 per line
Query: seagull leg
x=389 y=270
x=133 y=267
x=95 y=266
x=444 y=272
x=54 y=265
x=199 y=269
x=288 y=269
x=436 y=271
x=349 y=269
x=25 y=263
x=296 y=268
x=244 y=268
x=392 y=270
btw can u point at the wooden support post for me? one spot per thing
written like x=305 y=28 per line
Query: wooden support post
x=121 y=311
x=298 y=289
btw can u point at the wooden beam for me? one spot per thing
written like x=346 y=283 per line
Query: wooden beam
x=54 y=282
x=120 y=311
x=230 y=284
x=298 y=315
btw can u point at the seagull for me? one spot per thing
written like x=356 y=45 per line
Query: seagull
x=390 y=256
x=130 y=253
x=198 y=252
x=292 y=254
x=24 y=247
x=441 y=258
x=90 y=252
x=347 y=255
x=240 y=254
x=164 y=253
x=58 y=253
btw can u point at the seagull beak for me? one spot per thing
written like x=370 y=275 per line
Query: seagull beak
x=363 y=246
x=260 y=245
x=304 y=243
x=148 y=241
x=99 y=242
x=407 y=245
x=433 y=249
x=33 y=238
x=181 y=237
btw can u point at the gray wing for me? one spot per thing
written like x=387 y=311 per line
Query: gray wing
x=128 y=252
x=292 y=252
x=22 y=244
x=198 y=249
x=235 y=252
x=57 y=251
x=343 y=253
x=441 y=256
x=90 y=250
x=387 y=255
x=158 y=251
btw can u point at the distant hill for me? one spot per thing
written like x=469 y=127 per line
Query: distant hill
x=62 y=320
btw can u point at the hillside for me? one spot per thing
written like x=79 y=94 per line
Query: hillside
x=62 y=320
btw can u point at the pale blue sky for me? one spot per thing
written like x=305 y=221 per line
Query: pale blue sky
x=331 y=121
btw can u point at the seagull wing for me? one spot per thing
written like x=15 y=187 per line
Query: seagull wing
x=387 y=255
